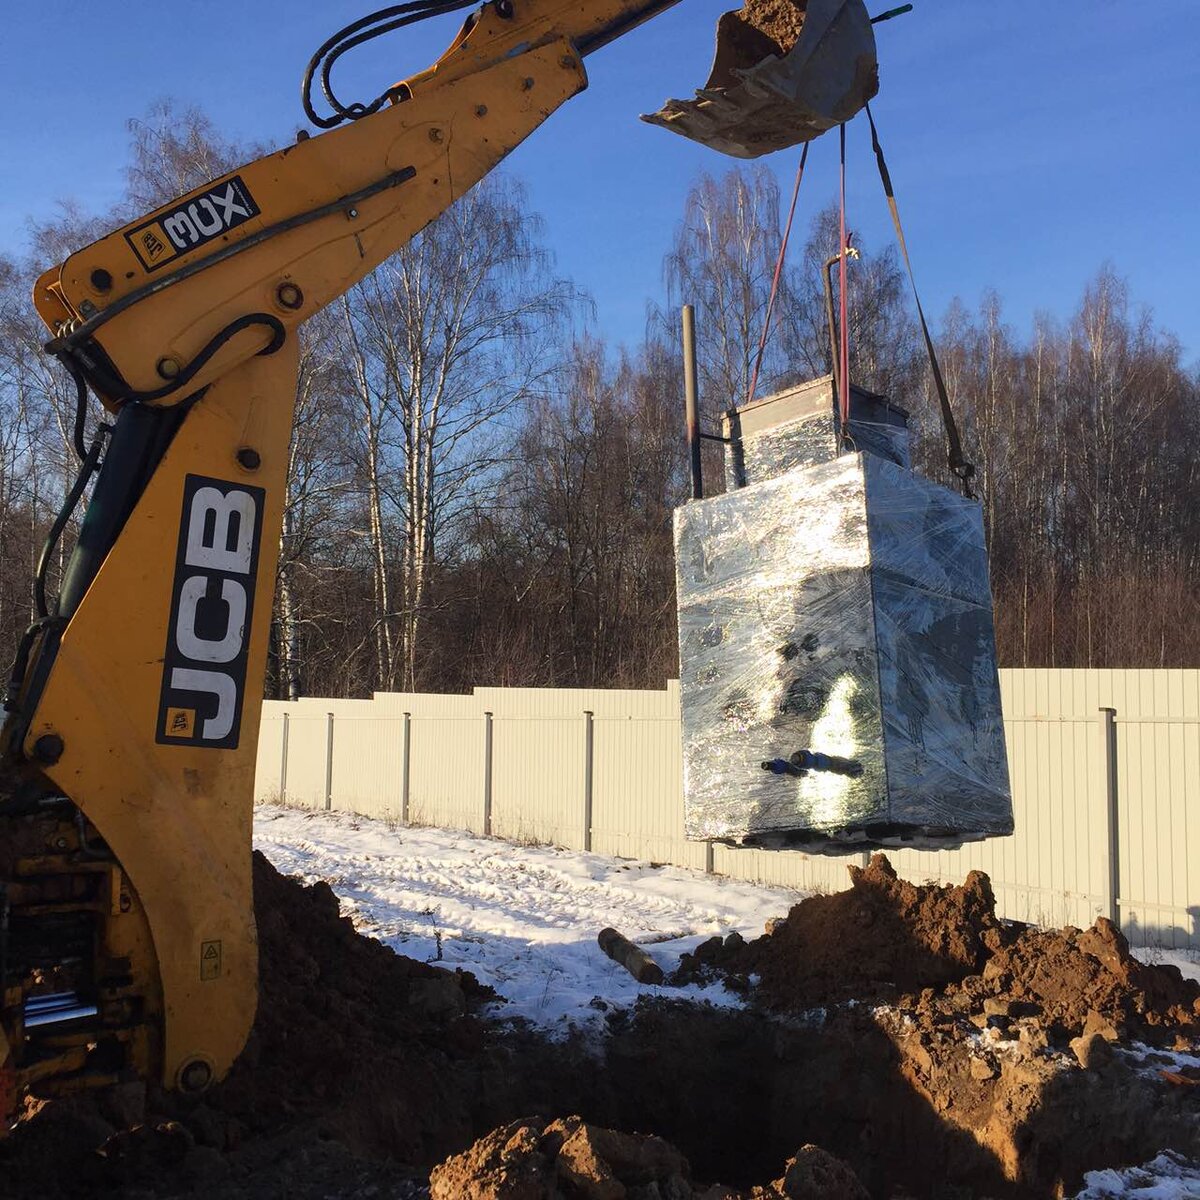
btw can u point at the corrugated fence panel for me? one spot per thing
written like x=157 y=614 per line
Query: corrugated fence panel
x=638 y=781
x=446 y=768
x=269 y=763
x=1158 y=785
x=367 y=765
x=1056 y=869
x=538 y=770
x=307 y=741
x=1053 y=869
x=537 y=778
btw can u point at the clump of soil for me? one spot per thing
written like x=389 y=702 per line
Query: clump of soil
x=887 y=940
x=780 y=20
x=882 y=937
x=569 y=1159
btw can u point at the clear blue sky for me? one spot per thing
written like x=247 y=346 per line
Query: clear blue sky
x=1029 y=139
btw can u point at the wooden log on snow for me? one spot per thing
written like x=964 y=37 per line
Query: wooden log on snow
x=633 y=958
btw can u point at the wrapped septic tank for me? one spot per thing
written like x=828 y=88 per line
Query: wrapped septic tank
x=838 y=669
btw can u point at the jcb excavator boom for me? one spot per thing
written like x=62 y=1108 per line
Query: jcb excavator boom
x=127 y=939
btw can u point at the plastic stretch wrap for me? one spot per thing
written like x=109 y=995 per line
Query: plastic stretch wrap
x=841 y=609
x=889 y=442
x=806 y=442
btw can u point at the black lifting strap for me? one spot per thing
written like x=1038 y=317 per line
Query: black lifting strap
x=958 y=462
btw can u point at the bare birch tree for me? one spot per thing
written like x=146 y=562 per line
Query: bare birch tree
x=442 y=345
x=722 y=261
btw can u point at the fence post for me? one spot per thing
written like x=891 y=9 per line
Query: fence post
x=487 y=774
x=589 y=743
x=405 y=772
x=283 y=762
x=1109 y=718
x=328 y=761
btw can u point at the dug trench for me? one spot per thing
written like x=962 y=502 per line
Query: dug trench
x=933 y=1049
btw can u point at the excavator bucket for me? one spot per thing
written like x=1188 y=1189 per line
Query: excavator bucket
x=785 y=71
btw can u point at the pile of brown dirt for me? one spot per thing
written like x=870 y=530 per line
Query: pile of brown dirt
x=569 y=1159
x=1042 y=1117
x=882 y=937
x=887 y=940
x=349 y=1033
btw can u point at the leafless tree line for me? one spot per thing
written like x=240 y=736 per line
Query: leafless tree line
x=479 y=493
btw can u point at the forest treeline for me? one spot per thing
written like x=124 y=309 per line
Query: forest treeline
x=480 y=491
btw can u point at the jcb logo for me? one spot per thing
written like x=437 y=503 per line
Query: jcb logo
x=212 y=604
x=223 y=207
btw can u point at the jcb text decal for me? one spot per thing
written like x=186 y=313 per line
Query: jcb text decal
x=212 y=605
x=223 y=207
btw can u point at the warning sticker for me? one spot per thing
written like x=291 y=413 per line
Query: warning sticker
x=210 y=960
x=180 y=722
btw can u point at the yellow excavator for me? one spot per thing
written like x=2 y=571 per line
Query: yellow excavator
x=127 y=939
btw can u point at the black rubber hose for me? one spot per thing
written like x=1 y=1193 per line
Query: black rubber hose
x=81 y=394
x=278 y=337
x=354 y=111
x=86 y=471
x=374 y=25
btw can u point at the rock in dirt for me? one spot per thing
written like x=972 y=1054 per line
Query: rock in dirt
x=1092 y=1051
x=438 y=998
x=569 y=1159
x=815 y=1175
x=602 y=1163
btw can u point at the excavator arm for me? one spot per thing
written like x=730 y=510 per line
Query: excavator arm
x=127 y=945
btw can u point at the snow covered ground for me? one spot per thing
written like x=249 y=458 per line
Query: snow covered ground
x=523 y=919
x=1168 y=1177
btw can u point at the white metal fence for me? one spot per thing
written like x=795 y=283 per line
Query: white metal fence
x=1105 y=768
